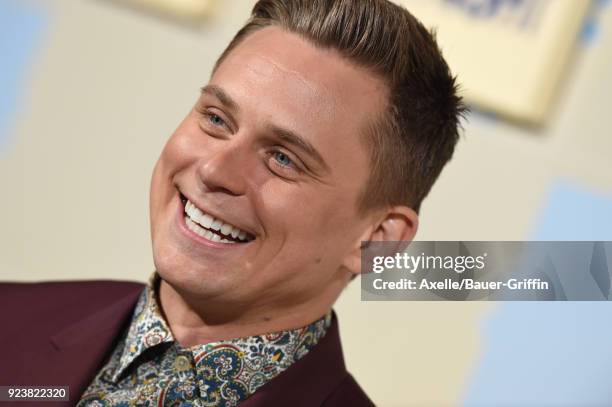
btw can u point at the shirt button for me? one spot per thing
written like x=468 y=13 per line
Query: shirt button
x=182 y=363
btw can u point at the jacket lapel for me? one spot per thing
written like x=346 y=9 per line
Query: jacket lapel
x=83 y=346
x=310 y=380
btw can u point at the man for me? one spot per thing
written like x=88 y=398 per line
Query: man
x=324 y=124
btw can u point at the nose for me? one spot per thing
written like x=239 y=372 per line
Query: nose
x=223 y=169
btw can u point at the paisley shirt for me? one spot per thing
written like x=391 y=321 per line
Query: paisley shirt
x=149 y=368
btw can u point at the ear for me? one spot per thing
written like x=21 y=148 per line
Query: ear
x=396 y=224
x=400 y=223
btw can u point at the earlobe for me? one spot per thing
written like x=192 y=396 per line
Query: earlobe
x=398 y=224
x=353 y=262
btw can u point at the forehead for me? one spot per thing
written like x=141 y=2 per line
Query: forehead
x=292 y=79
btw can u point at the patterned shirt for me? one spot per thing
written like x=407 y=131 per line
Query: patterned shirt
x=149 y=368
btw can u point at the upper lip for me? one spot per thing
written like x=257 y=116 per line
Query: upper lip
x=214 y=214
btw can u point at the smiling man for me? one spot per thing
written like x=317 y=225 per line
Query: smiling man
x=324 y=124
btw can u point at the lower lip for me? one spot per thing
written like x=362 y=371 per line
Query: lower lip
x=197 y=238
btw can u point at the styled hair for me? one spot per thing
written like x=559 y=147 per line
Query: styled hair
x=416 y=135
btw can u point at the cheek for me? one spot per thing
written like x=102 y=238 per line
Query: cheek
x=311 y=215
x=178 y=151
x=175 y=156
x=181 y=146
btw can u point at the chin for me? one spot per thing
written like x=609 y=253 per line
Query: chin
x=188 y=277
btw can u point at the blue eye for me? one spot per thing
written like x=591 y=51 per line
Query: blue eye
x=216 y=120
x=283 y=159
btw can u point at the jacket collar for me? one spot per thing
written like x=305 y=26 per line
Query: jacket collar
x=102 y=325
x=83 y=345
x=310 y=380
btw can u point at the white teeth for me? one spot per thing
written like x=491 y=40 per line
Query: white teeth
x=206 y=220
x=199 y=222
x=204 y=233
x=226 y=229
x=194 y=227
x=216 y=225
x=197 y=214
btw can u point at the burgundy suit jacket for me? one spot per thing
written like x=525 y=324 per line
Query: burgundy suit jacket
x=61 y=333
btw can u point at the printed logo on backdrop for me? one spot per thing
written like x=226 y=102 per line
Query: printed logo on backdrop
x=494 y=271
x=522 y=14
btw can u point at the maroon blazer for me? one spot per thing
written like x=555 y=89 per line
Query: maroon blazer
x=61 y=333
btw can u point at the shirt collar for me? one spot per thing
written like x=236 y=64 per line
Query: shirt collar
x=147 y=329
x=267 y=354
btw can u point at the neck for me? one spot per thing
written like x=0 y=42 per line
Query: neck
x=193 y=322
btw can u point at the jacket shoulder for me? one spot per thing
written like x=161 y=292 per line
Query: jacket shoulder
x=22 y=301
x=348 y=393
x=10 y=291
x=58 y=333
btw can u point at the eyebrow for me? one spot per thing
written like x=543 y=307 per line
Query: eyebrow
x=220 y=94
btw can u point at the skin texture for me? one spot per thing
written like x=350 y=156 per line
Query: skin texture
x=230 y=161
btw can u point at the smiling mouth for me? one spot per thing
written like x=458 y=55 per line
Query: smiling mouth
x=211 y=228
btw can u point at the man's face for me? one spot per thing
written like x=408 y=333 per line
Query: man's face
x=274 y=148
